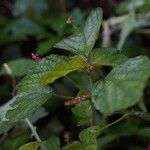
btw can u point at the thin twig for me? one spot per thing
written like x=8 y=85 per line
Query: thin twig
x=90 y=79
x=34 y=132
x=14 y=86
x=76 y=85
x=33 y=129
x=111 y=124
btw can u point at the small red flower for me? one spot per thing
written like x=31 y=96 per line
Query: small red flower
x=75 y=100
x=36 y=58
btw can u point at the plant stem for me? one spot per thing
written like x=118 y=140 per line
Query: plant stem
x=34 y=132
x=62 y=96
x=14 y=86
x=90 y=80
x=77 y=86
x=111 y=124
x=93 y=114
x=33 y=129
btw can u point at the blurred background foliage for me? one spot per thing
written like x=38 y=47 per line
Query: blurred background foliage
x=28 y=26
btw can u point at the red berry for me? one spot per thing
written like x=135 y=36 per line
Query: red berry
x=75 y=100
x=36 y=58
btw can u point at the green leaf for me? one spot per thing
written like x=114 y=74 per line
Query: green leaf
x=53 y=143
x=128 y=5
x=83 y=42
x=123 y=130
x=89 y=135
x=145 y=132
x=19 y=30
x=30 y=146
x=23 y=105
x=82 y=111
x=78 y=15
x=34 y=8
x=107 y=57
x=88 y=140
x=4 y=127
x=46 y=46
x=48 y=70
x=57 y=24
x=145 y=7
x=76 y=145
x=16 y=140
x=142 y=115
x=105 y=140
x=82 y=81
x=127 y=26
x=18 y=67
x=123 y=86
x=38 y=114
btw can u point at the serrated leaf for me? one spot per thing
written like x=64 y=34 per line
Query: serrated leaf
x=123 y=86
x=30 y=146
x=82 y=111
x=53 y=143
x=88 y=140
x=83 y=42
x=89 y=135
x=34 y=117
x=107 y=57
x=18 y=67
x=48 y=70
x=38 y=114
x=23 y=105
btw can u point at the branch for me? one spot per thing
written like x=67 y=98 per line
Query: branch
x=34 y=132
